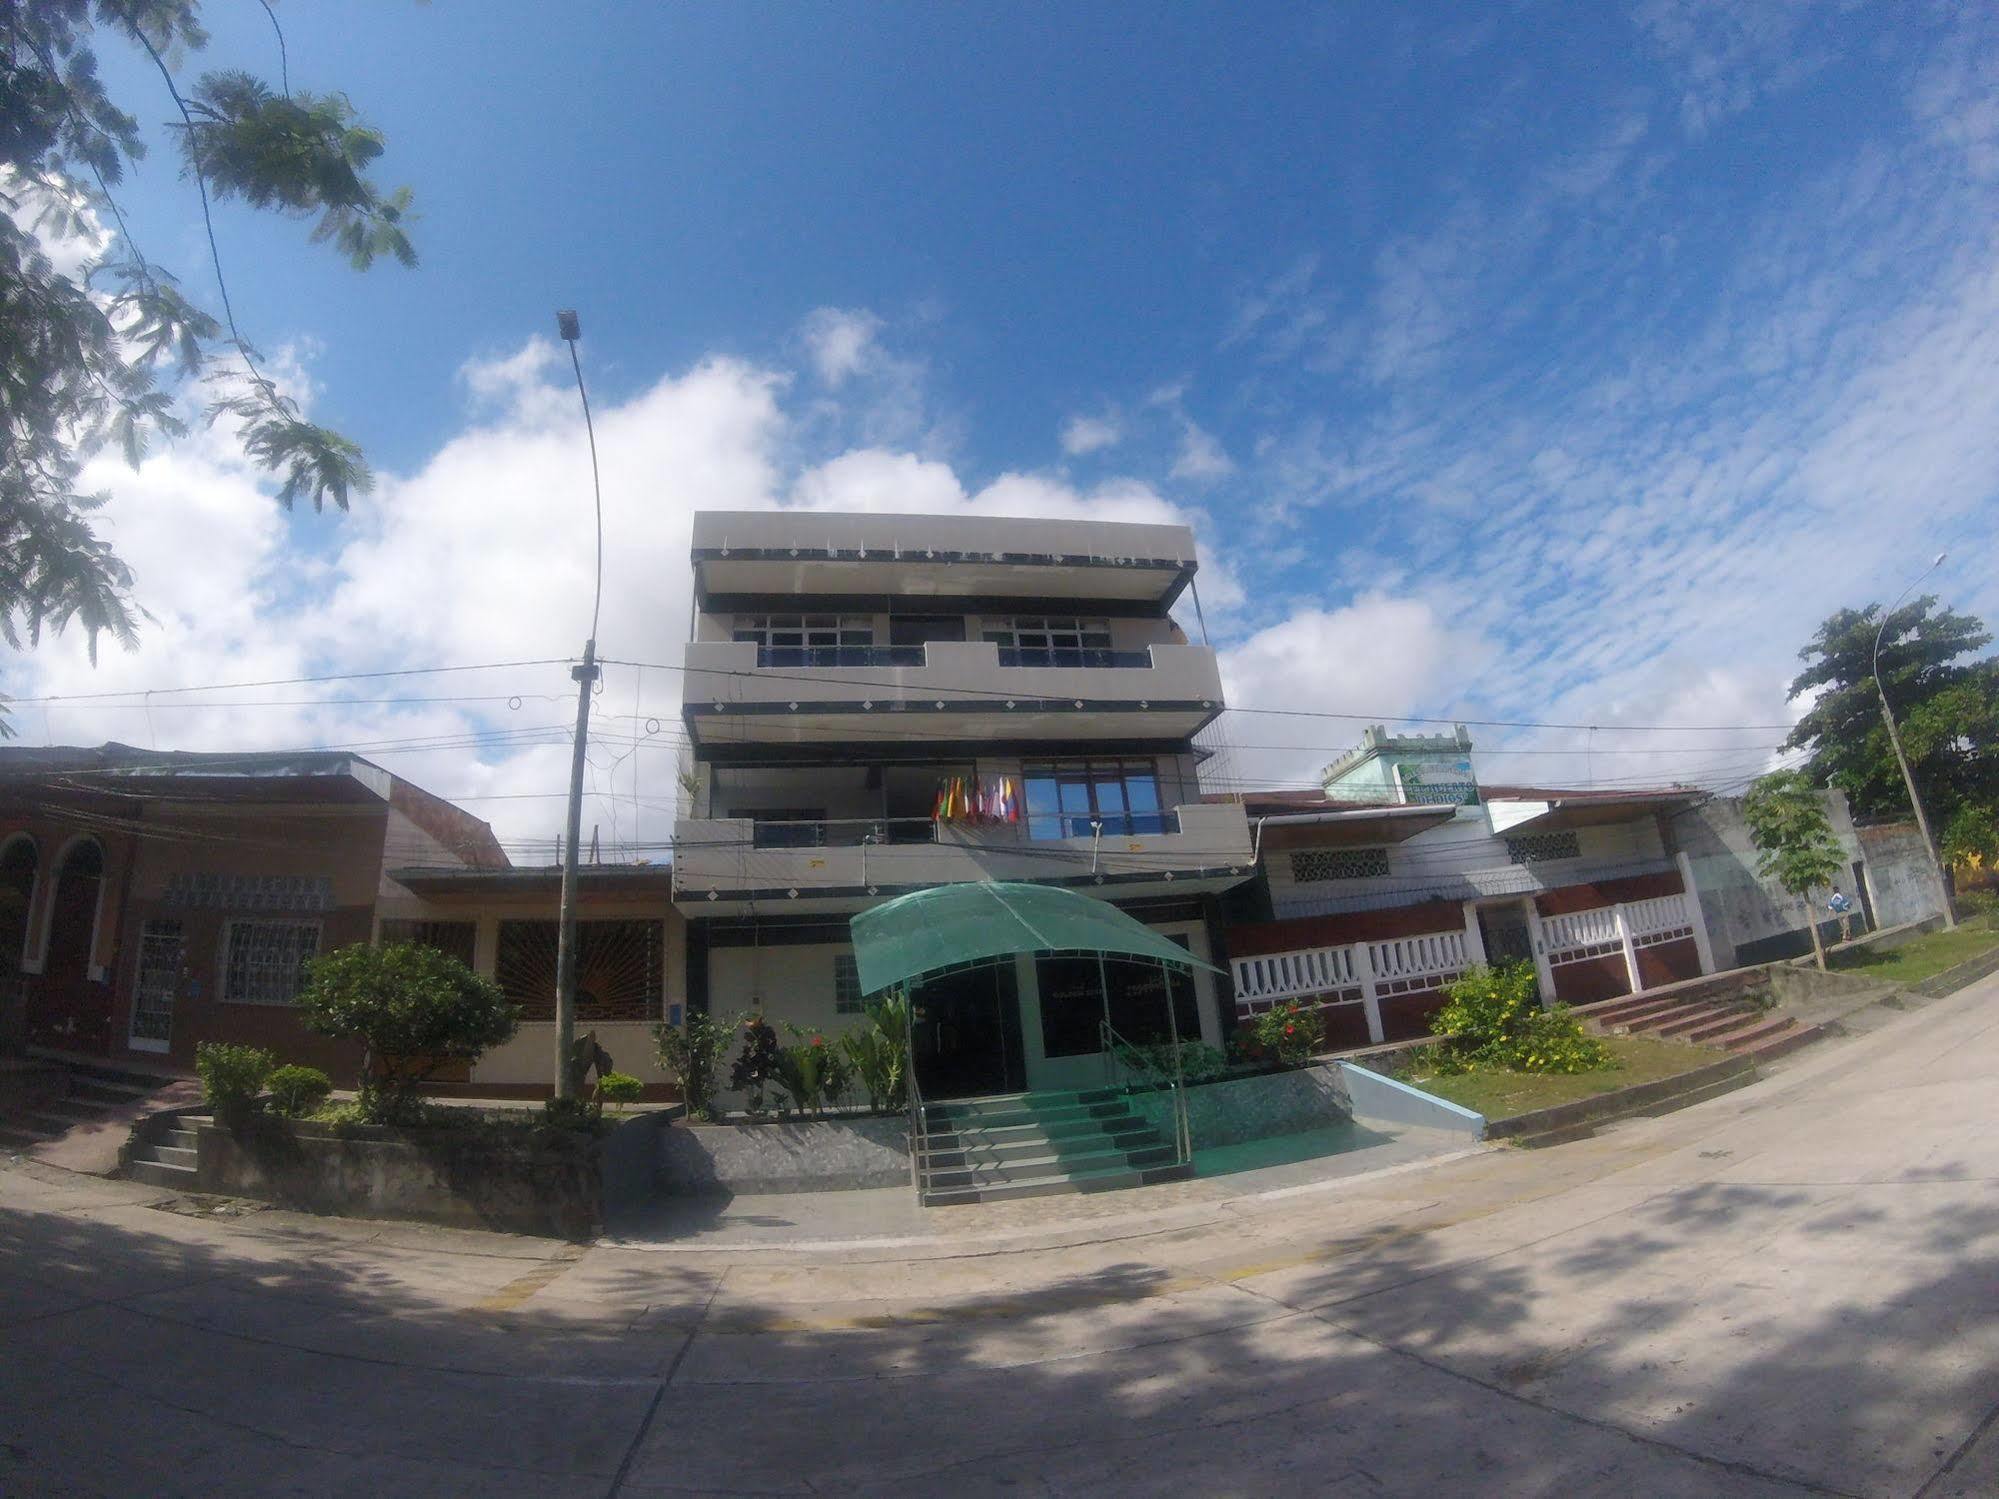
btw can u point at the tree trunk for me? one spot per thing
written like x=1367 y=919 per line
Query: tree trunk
x=1811 y=921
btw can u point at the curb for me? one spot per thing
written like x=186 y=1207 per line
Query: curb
x=1572 y=1121
x=1970 y=971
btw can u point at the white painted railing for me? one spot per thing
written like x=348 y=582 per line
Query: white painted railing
x=1356 y=972
x=1577 y=930
x=1660 y=919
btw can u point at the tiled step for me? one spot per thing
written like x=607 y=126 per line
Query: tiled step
x=1041 y=1168
x=160 y=1174
x=1727 y=1025
x=1780 y=1043
x=110 y=1094
x=80 y=1110
x=1620 y=1011
x=170 y=1155
x=1048 y=1186
x=973 y=1150
x=1022 y=1114
x=1754 y=1033
x=1690 y=1018
x=45 y=1119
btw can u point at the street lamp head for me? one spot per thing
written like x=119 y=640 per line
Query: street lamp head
x=1939 y=562
x=571 y=330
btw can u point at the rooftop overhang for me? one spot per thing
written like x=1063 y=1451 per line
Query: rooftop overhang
x=1357 y=827
x=934 y=727
x=749 y=559
x=1559 y=811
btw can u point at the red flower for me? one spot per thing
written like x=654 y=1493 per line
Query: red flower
x=1288 y=1030
x=818 y=1040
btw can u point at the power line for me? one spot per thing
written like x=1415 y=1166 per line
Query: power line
x=338 y=676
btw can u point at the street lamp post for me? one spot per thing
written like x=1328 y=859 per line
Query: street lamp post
x=585 y=677
x=1902 y=759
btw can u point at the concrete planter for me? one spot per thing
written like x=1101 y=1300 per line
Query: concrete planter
x=1253 y=1108
x=817 y=1155
x=459 y=1178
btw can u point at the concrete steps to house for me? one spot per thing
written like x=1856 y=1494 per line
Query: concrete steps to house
x=1034 y=1144
x=164 y=1158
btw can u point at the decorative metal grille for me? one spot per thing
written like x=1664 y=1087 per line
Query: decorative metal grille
x=1311 y=865
x=162 y=952
x=846 y=985
x=1533 y=848
x=620 y=968
x=459 y=938
x=265 y=961
x=250 y=892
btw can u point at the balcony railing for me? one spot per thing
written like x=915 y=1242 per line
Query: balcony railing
x=839 y=655
x=1075 y=656
x=842 y=832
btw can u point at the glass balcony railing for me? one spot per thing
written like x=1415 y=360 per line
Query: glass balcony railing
x=840 y=655
x=842 y=832
x=1072 y=656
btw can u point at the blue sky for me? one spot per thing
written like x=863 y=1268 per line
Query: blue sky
x=1523 y=362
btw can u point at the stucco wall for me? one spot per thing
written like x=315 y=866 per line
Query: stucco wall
x=1753 y=920
x=1901 y=882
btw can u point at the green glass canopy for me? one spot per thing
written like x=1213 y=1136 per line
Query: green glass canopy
x=950 y=925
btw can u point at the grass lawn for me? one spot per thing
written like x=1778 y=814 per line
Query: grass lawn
x=1927 y=956
x=1501 y=1095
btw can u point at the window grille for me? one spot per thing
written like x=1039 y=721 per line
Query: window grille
x=1534 y=848
x=250 y=892
x=162 y=951
x=847 y=985
x=1311 y=865
x=264 y=961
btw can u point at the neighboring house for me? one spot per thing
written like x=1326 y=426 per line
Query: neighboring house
x=1374 y=893
x=150 y=901
x=880 y=703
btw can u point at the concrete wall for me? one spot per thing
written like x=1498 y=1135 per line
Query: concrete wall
x=1753 y=920
x=1461 y=860
x=1373 y=1097
x=817 y=1155
x=1252 y=1108
x=1901 y=881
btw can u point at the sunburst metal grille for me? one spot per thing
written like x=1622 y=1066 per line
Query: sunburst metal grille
x=619 y=968
x=459 y=938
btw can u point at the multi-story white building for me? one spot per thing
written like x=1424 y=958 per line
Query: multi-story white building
x=880 y=703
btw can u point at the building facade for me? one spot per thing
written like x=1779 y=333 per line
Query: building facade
x=876 y=704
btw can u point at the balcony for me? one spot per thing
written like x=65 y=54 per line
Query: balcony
x=969 y=692
x=721 y=864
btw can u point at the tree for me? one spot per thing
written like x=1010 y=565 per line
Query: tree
x=1787 y=821
x=1947 y=705
x=99 y=353
x=412 y=1008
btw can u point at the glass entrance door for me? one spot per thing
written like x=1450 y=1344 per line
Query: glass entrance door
x=965 y=1031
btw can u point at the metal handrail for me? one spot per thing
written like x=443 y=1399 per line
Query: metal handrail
x=1183 y=1131
x=918 y=1120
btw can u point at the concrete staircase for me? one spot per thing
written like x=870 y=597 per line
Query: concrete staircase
x=1736 y=1019
x=1034 y=1144
x=163 y=1155
x=95 y=1091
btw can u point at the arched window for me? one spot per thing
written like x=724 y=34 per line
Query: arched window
x=20 y=862
x=73 y=911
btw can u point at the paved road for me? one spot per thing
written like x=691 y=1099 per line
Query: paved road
x=1790 y=1290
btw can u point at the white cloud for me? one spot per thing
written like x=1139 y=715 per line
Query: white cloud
x=1091 y=434
x=841 y=342
x=1201 y=458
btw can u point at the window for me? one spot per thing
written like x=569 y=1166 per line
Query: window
x=804 y=639
x=1052 y=640
x=1064 y=797
x=846 y=985
x=1316 y=864
x=1533 y=848
x=620 y=968
x=788 y=827
x=264 y=961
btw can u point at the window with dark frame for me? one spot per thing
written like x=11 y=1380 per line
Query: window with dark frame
x=264 y=962
x=1065 y=797
x=847 y=997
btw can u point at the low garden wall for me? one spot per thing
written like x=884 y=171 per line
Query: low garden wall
x=808 y=1155
x=462 y=1178
x=1373 y=1096
x=1252 y=1108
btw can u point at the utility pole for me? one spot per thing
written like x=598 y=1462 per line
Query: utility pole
x=585 y=676
x=1902 y=759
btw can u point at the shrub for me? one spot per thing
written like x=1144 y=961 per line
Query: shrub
x=412 y=1008
x=618 y=1087
x=811 y=1073
x=231 y=1078
x=297 y=1091
x=877 y=1053
x=1287 y=1034
x=573 y=1114
x=756 y=1064
x=1199 y=1062
x=1495 y=1020
x=690 y=1054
